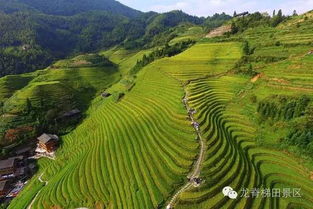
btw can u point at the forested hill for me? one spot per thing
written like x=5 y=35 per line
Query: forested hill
x=67 y=7
x=34 y=33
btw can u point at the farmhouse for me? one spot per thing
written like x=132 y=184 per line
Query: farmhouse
x=47 y=143
x=25 y=151
x=4 y=188
x=72 y=113
x=7 y=167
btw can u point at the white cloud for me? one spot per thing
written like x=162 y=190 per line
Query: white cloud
x=168 y=7
x=209 y=7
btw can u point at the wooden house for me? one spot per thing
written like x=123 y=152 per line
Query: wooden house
x=48 y=142
x=7 y=167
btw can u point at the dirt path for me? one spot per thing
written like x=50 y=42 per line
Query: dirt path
x=256 y=78
x=32 y=202
x=195 y=173
x=219 y=31
x=42 y=181
x=36 y=157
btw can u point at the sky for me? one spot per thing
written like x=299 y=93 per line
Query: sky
x=210 y=7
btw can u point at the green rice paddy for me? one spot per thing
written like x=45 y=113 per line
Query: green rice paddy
x=136 y=153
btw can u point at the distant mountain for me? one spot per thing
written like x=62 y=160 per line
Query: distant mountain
x=67 y=7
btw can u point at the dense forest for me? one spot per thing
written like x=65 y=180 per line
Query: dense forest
x=296 y=110
x=257 y=19
x=66 y=7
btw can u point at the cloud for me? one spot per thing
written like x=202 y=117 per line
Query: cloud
x=168 y=7
x=209 y=7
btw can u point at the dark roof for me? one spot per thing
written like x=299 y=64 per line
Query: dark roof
x=105 y=94
x=3 y=184
x=44 y=138
x=71 y=113
x=23 y=150
x=8 y=163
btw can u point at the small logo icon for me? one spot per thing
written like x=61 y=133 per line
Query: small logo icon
x=229 y=192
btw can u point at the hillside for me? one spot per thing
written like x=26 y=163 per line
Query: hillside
x=233 y=110
x=36 y=99
x=67 y=7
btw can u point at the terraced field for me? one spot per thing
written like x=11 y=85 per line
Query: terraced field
x=129 y=154
x=51 y=92
x=232 y=156
x=138 y=152
x=233 y=159
x=202 y=60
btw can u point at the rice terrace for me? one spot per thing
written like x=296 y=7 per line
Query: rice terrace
x=107 y=107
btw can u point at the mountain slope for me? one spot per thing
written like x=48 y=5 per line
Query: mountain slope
x=34 y=33
x=44 y=95
x=67 y=7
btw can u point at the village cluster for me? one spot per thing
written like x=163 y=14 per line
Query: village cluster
x=17 y=169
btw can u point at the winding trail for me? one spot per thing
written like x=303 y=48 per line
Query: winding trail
x=42 y=181
x=195 y=172
x=45 y=182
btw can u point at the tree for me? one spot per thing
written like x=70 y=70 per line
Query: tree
x=235 y=14
x=278 y=18
x=234 y=28
x=295 y=13
x=309 y=113
x=29 y=106
x=246 y=49
x=274 y=13
x=280 y=14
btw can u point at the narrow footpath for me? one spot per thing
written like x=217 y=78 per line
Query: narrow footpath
x=193 y=176
x=32 y=202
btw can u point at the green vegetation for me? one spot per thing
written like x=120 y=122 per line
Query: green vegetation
x=281 y=61
x=252 y=96
x=67 y=8
x=87 y=60
x=36 y=99
x=277 y=107
x=232 y=156
x=166 y=51
x=297 y=111
x=256 y=19
x=140 y=148
x=33 y=34
x=215 y=21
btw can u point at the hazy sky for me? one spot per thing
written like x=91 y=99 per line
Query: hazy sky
x=209 y=7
